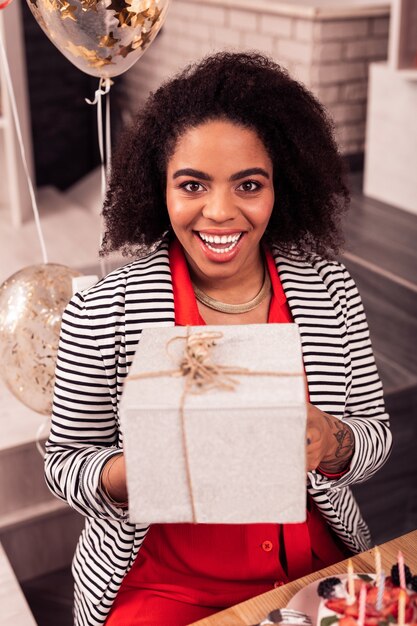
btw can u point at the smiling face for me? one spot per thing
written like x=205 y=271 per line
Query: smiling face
x=220 y=197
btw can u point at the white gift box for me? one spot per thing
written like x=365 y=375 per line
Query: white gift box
x=217 y=456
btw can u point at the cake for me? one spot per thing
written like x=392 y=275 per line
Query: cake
x=336 y=608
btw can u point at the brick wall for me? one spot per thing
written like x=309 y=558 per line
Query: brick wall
x=63 y=127
x=331 y=56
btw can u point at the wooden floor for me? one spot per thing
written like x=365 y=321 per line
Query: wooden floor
x=381 y=254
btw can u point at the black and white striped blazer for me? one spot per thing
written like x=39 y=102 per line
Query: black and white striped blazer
x=100 y=331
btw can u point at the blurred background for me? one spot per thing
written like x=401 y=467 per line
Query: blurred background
x=360 y=58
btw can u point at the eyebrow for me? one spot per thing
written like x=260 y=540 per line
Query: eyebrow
x=249 y=172
x=187 y=171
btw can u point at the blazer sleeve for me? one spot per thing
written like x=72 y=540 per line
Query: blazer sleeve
x=83 y=434
x=364 y=410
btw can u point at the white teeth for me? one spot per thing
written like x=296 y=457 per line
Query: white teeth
x=222 y=239
x=222 y=250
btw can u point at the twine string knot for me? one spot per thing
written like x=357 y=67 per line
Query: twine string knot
x=197 y=365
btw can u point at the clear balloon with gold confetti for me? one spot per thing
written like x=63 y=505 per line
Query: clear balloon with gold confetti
x=31 y=305
x=102 y=38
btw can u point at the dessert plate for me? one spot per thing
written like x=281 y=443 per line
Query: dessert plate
x=308 y=601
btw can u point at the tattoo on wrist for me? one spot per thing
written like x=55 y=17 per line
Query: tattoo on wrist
x=345 y=446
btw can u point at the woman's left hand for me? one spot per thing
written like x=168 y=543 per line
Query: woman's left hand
x=330 y=442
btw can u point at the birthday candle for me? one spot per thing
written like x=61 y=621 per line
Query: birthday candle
x=351 y=587
x=362 y=605
x=401 y=569
x=380 y=592
x=401 y=607
x=377 y=565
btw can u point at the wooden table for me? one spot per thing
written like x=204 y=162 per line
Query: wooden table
x=256 y=609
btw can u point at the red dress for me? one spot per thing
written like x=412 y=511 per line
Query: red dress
x=185 y=572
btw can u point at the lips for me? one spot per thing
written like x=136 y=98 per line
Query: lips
x=220 y=243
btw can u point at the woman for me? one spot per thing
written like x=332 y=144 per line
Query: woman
x=232 y=177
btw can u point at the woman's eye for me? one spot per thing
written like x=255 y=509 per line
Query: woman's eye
x=192 y=186
x=249 y=185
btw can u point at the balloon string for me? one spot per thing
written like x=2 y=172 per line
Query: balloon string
x=9 y=86
x=105 y=158
x=108 y=136
x=103 y=264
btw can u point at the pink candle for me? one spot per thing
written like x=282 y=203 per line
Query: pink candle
x=362 y=605
x=401 y=608
x=401 y=569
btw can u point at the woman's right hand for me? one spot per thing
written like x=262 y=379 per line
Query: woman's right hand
x=113 y=479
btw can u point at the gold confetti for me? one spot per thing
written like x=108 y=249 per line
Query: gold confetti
x=102 y=62
x=135 y=20
x=108 y=41
x=52 y=5
x=126 y=50
x=137 y=42
x=91 y=56
x=89 y=5
x=138 y=6
x=68 y=11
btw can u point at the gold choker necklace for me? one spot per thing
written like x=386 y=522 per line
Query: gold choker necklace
x=224 y=307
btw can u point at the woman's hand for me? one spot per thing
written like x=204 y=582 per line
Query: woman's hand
x=113 y=479
x=330 y=442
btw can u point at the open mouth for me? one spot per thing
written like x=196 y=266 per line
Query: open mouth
x=220 y=243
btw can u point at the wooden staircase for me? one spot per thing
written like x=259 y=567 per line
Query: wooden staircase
x=381 y=255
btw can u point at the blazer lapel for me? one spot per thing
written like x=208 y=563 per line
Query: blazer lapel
x=322 y=332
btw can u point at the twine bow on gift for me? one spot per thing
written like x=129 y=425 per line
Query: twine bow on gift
x=200 y=375
x=197 y=367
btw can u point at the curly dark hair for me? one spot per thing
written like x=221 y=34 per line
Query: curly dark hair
x=252 y=91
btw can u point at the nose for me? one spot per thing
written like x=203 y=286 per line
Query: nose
x=220 y=207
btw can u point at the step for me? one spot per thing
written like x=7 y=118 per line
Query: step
x=30 y=516
x=390 y=308
x=394 y=377
x=381 y=255
x=381 y=234
x=50 y=598
x=14 y=607
x=27 y=532
x=388 y=500
x=22 y=482
x=71 y=234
